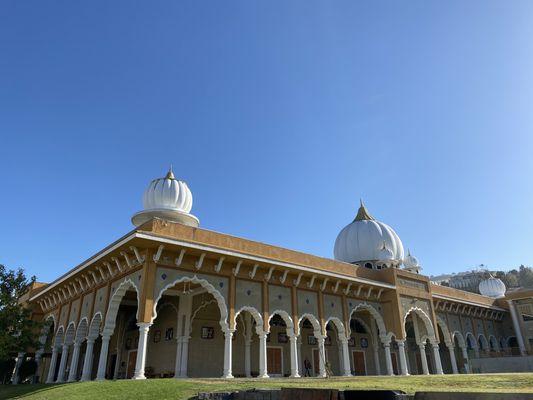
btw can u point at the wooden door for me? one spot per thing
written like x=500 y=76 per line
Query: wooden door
x=359 y=362
x=394 y=363
x=274 y=361
x=132 y=359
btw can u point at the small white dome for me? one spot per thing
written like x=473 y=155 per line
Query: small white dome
x=167 y=198
x=363 y=240
x=168 y=193
x=492 y=287
x=410 y=261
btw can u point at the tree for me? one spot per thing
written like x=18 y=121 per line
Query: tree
x=17 y=331
x=525 y=276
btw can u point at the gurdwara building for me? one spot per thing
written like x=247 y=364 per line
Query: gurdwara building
x=171 y=299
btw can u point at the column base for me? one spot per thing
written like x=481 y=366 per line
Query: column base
x=139 y=377
x=264 y=376
x=227 y=376
x=347 y=375
x=295 y=376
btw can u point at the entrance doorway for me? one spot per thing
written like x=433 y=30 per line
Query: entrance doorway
x=132 y=359
x=359 y=362
x=274 y=361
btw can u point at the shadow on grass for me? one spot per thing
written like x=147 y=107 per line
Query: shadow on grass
x=23 y=390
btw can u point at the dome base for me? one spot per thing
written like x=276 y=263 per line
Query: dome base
x=165 y=214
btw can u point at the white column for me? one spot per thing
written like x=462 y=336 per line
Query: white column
x=74 y=362
x=16 y=377
x=321 y=355
x=144 y=327
x=465 y=357
x=262 y=355
x=102 y=363
x=62 y=364
x=184 y=356
x=294 y=355
x=388 y=359
x=346 y=357
x=228 y=335
x=88 y=362
x=403 y=359
x=518 y=331
x=299 y=353
x=423 y=359
x=376 y=358
x=436 y=355
x=183 y=335
x=451 y=349
x=52 y=367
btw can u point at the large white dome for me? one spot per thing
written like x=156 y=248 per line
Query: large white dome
x=167 y=198
x=366 y=239
x=492 y=287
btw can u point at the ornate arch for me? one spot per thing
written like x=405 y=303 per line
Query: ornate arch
x=341 y=331
x=473 y=343
x=445 y=331
x=484 y=342
x=425 y=318
x=460 y=339
x=94 y=328
x=254 y=313
x=493 y=343
x=375 y=313
x=114 y=304
x=60 y=334
x=313 y=320
x=366 y=326
x=286 y=318
x=207 y=286
x=70 y=333
x=81 y=332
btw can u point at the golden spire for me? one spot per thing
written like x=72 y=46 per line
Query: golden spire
x=170 y=174
x=363 y=214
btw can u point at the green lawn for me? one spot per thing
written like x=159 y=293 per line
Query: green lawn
x=174 y=389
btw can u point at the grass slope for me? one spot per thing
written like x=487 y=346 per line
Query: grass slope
x=175 y=389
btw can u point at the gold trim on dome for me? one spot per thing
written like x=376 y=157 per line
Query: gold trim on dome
x=170 y=174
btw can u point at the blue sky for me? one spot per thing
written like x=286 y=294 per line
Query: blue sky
x=279 y=114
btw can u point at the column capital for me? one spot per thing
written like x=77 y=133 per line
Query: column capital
x=144 y=326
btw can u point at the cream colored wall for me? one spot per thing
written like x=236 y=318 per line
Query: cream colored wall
x=161 y=356
x=206 y=356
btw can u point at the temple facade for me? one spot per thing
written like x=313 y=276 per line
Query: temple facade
x=170 y=299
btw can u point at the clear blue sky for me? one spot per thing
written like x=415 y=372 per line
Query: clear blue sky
x=279 y=114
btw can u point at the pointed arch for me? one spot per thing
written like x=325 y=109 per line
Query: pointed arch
x=70 y=333
x=313 y=320
x=375 y=313
x=114 y=304
x=60 y=334
x=94 y=328
x=483 y=342
x=81 y=332
x=341 y=332
x=445 y=332
x=471 y=340
x=286 y=318
x=425 y=319
x=493 y=343
x=223 y=309
x=460 y=339
x=256 y=315
x=368 y=329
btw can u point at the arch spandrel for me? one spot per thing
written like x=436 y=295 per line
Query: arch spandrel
x=118 y=290
x=86 y=305
x=248 y=294
x=279 y=298
x=333 y=307
x=307 y=302
x=372 y=308
x=447 y=338
x=74 y=310
x=165 y=275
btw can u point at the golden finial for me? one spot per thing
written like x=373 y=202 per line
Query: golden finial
x=363 y=214
x=170 y=174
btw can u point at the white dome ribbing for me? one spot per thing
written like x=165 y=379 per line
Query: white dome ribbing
x=492 y=287
x=366 y=239
x=411 y=263
x=167 y=198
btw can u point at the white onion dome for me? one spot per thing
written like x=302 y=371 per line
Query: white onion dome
x=368 y=240
x=411 y=263
x=167 y=198
x=492 y=287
